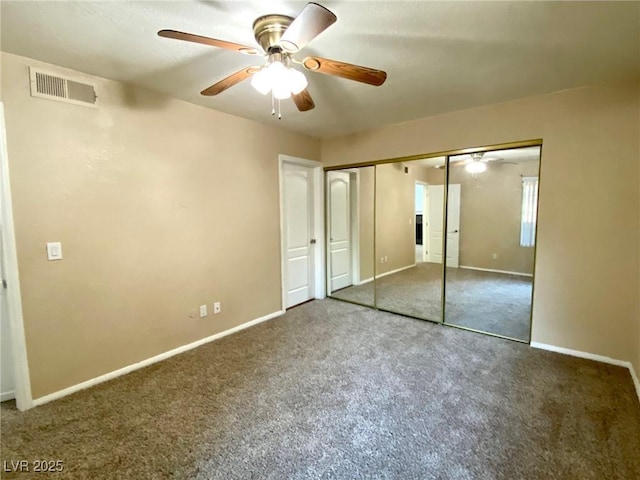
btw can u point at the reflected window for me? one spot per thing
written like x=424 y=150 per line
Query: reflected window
x=529 y=207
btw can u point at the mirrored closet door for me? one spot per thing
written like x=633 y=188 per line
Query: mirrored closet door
x=408 y=233
x=448 y=239
x=491 y=227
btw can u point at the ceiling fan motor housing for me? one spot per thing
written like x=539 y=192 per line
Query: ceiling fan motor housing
x=268 y=30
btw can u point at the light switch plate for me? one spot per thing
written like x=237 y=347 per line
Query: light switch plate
x=54 y=251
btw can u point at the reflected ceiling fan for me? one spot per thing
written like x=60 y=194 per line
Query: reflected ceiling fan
x=281 y=36
x=478 y=162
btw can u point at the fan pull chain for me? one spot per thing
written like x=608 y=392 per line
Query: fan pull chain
x=273 y=107
x=279 y=111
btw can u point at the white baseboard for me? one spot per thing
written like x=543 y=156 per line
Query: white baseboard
x=4 y=396
x=370 y=279
x=150 y=361
x=395 y=271
x=506 y=272
x=634 y=376
x=592 y=356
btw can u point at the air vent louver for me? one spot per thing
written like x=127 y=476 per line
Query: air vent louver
x=54 y=87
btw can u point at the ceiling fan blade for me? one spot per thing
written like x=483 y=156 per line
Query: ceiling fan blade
x=311 y=22
x=303 y=100
x=230 y=81
x=345 y=70
x=190 y=37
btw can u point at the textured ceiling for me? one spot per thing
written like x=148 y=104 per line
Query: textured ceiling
x=440 y=56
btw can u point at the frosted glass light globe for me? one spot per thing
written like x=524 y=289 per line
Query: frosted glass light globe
x=475 y=167
x=261 y=81
x=297 y=81
x=281 y=91
x=280 y=80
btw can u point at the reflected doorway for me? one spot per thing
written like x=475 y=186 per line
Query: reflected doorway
x=350 y=264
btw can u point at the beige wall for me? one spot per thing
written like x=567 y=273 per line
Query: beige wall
x=587 y=282
x=395 y=215
x=160 y=205
x=395 y=210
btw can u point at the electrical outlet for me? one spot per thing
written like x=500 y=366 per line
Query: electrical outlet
x=494 y=256
x=203 y=311
x=217 y=307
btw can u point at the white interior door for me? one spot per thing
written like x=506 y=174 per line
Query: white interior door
x=297 y=186
x=7 y=379
x=425 y=224
x=339 y=230
x=453 y=226
x=436 y=198
x=436 y=205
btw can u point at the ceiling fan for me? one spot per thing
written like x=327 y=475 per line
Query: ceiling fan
x=279 y=37
x=478 y=162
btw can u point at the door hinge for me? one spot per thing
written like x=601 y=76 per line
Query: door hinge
x=313 y=240
x=4 y=283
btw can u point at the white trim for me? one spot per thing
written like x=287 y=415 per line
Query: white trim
x=23 y=396
x=318 y=225
x=592 y=356
x=370 y=279
x=506 y=272
x=354 y=221
x=425 y=218
x=380 y=275
x=4 y=396
x=634 y=376
x=150 y=361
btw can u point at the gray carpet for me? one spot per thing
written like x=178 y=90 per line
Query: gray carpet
x=335 y=390
x=485 y=301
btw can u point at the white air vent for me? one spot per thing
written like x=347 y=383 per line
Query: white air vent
x=54 y=87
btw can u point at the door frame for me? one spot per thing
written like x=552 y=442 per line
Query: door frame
x=425 y=217
x=318 y=225
x=24 y=399
x=354 y=223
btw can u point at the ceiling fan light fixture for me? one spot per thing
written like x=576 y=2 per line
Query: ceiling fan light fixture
x=475 y=166
x=279 y=36
x=297 y=81
x=281 y=91
x=261 y=81
x=281 y=80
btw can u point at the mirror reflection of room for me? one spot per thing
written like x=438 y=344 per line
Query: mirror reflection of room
x=492 y=216
x=350 y=255
x=409 y=212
